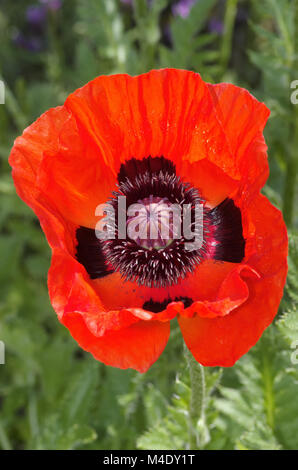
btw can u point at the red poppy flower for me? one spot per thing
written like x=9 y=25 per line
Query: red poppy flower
x=160 y=138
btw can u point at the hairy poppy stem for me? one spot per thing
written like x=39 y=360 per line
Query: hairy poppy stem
x=229 y=24
x=197 y=427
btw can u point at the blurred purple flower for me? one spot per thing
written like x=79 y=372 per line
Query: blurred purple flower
x=30 y=44
x=52 y=5
x=167 y=34
x=182 y=8
x=216 y=26
x=35 y=15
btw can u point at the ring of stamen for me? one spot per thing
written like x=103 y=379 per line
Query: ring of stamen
x=153 y=253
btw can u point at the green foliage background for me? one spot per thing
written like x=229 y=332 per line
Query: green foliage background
x=52 y=394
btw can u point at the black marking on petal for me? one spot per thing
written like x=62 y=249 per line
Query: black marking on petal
x=133 y=167
x=156 y=307
x=90 y=253
x=227 y=221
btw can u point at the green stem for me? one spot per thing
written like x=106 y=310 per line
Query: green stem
x=33 y=416
x=4 y=441
x=279 y=14
x=292 y=157
x=196 y=428
x=268 y=392
x=289 y=188
x=229 y=23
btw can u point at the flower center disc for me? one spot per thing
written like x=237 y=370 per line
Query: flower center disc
x=152 y=223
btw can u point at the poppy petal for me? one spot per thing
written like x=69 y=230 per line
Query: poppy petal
x=136 y=347
x=232 y=293
x=51 y=161
x=221 y=340
x=117 y=338
x=173 y=106
x=213 y=183
x=243 y=119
